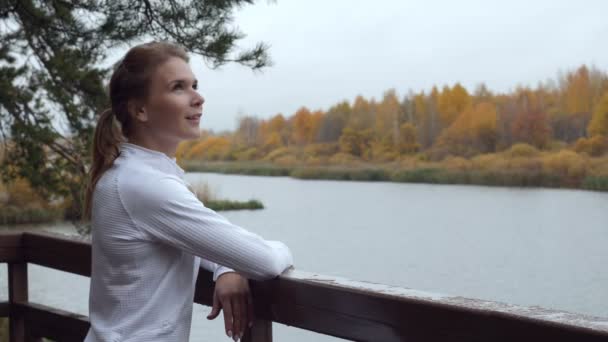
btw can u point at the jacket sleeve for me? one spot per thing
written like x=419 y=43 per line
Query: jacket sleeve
x=216 y=268
x=167 y=212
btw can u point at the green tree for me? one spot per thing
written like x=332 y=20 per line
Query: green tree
x=50 y=74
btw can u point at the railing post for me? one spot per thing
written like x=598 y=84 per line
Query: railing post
x=17 y=292
x=261 y=331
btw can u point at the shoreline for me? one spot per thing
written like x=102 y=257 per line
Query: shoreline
x=424 y=175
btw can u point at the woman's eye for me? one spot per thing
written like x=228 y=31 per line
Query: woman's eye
x=178 y=87
x=195 y=86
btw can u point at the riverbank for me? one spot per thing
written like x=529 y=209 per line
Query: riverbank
x=19 y=205
x=517 y=173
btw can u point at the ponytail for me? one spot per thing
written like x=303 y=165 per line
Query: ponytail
x=108 y=137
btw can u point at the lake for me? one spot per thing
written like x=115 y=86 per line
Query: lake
x=533 y=247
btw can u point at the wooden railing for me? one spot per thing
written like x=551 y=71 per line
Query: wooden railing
x=347 y=309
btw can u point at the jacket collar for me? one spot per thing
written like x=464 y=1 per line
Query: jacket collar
x=153 y=158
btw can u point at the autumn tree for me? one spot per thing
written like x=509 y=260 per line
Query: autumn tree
x=302 y=128
x=599 y=122
x=452 y=102
x=274 y=133
x=578 y=93
x=246 y=134
x=408 y=141
x=531 y=126
x=211 y=148
x=356 y=142
x=473 y=132
x=333 y=122
x=387 y=118
x=362 y=115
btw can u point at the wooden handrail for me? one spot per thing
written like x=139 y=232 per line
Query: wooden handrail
x=359 y=311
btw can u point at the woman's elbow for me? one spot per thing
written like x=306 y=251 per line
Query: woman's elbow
x=272 y=271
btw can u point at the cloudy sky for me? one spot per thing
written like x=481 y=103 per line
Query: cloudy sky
x=327 y=51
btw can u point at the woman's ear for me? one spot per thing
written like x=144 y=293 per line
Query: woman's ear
x=138 y=111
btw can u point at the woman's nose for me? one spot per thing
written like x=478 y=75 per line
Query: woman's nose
x=198 y=100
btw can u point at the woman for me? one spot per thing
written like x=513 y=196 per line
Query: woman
x=150 y=233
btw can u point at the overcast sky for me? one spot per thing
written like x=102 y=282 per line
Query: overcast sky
x=325 y=51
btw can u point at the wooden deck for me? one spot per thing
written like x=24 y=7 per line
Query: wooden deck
x=358 y=311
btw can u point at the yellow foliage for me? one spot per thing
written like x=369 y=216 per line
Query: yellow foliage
x=387 y=113
x=212 y=148
x=183 y=148
x=314 y=161
x=566 y=163
x=343 y=158
x=599 y=166
x=380 y=149
x=485 y=161
x=522 y=150
x=408 y=141
x=19 y=193
x=286 y=160
x=599 y=122
x=594 y=146
x=578 y=91
x=273 y=141
x=473 y=131
x=409 y=162
x=456 y=163
x=248 y=154
x=278 y=153
x=321 y=150
x=355 y=142
x=452 y=102
x=302 y=126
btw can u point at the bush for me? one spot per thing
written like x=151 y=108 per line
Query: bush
x=594 y=146
x=279 y=152
x=343 y=158
x=243 y=155
x=456 y=163
x=286 y=160
x=484 y=161
x=321 y=150
x=568 y=165
x=522 y=150
x=314 y=161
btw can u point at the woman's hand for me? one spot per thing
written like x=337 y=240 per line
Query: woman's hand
x=232 y=294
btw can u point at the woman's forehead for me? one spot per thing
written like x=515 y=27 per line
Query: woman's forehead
x=174 y=69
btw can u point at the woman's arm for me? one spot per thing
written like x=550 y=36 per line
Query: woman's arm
x=216 y=268
x=168 y=212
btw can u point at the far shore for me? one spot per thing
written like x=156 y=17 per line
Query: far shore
x=390 y=173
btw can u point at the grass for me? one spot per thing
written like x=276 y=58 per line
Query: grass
x=425 y=173
x=219 y=205
x=598 y=183
x=205 y=194
x=254 y=168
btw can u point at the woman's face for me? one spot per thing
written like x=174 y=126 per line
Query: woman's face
x=171 y=113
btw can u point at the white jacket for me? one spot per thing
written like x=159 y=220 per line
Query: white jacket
x=149 y=235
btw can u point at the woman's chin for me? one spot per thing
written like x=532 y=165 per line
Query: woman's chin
x=193 y=135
